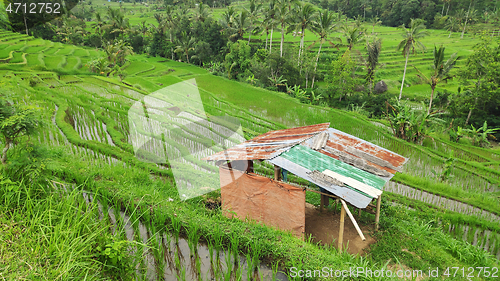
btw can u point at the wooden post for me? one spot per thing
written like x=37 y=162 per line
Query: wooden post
x=277 y=171
x=323 y=201
x=344 y=205
x=341 y=229
x=359 y=213
x=250 y=166
x=377 y=213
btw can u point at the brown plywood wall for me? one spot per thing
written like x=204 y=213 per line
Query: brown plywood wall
x=262 y=199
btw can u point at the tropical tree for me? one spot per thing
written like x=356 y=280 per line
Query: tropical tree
x=16 y=120
x=201 y=13
x=411 y=41
x=373 y=49
x=323 y=27
x=374 y=21
x=116 y=53
x=241 y=24
x=409 y=123
x=304 y=18
x=466 y=18
x=270 y=15
x=118 y=23
x=452 y=24
x=479 y=78
x=253 y=13
x=185 y=45
x=441 y=71
x=228 y=17
x=283 y=18
x=353 y=35
x=4 y=18
x=365 y=4
x=170 y=23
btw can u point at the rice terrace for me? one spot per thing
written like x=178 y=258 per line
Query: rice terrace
x=249 y=140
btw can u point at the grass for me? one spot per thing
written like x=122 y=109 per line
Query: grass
x=151 y=188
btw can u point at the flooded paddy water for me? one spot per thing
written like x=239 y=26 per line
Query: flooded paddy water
x=167 y=256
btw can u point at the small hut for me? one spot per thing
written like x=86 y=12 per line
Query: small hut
x=347 y=168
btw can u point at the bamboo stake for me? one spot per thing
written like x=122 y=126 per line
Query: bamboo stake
x=377 y=214
x=341 y=229
x=344 y=205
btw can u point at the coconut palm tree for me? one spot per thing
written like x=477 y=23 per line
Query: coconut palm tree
x=441 y=71
x=411 y=42
x=452 y=24
x=323 y=27
x=353 y=35
x=375 y=21
x=185 y=45
x=201 y=13
x=373 y=49
x=304 y=18
x=466 y=18
x=170 y=23
x=241 y=24
x=253 y=13
x=283 y=18
x=228 y=17
x=270 y=15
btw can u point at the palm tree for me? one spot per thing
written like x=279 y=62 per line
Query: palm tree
x=241 y=25
x=441 y=71
x=270 y=19
x=253 y=13
x=283 y=17
x=170 y=23
x=375 y=21
x=373 y=48
x=452 y=24
x=410 y=42
x=353 y=35
x=201 y=13
x=364 y=5
x=185 y=45
x=323 y=27
x=228 y=17
x=466 y=18
x=267 y=25
x=305 y=15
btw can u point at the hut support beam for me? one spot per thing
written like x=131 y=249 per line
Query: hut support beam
x=344 y=206
x=277 y=171
x=341 y=228
x=377 y=213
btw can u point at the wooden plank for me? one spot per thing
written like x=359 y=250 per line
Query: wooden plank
x=341 y=228
x=353 y=220
x=377 y=213
x=354 y=183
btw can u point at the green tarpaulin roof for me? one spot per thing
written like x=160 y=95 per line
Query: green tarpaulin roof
x=314 y=160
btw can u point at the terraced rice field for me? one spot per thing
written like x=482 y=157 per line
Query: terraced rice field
x=90 y=116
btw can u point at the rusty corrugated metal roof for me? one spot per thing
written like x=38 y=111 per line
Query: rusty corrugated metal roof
x=341 y=146
x=372 y=165
x=270 y=144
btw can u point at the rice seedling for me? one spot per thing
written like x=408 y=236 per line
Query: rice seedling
x=193 y=235
x=229 y=265
x=250 y=266
x=176 y=227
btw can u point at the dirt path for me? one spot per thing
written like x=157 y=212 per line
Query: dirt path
x=324 y=227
